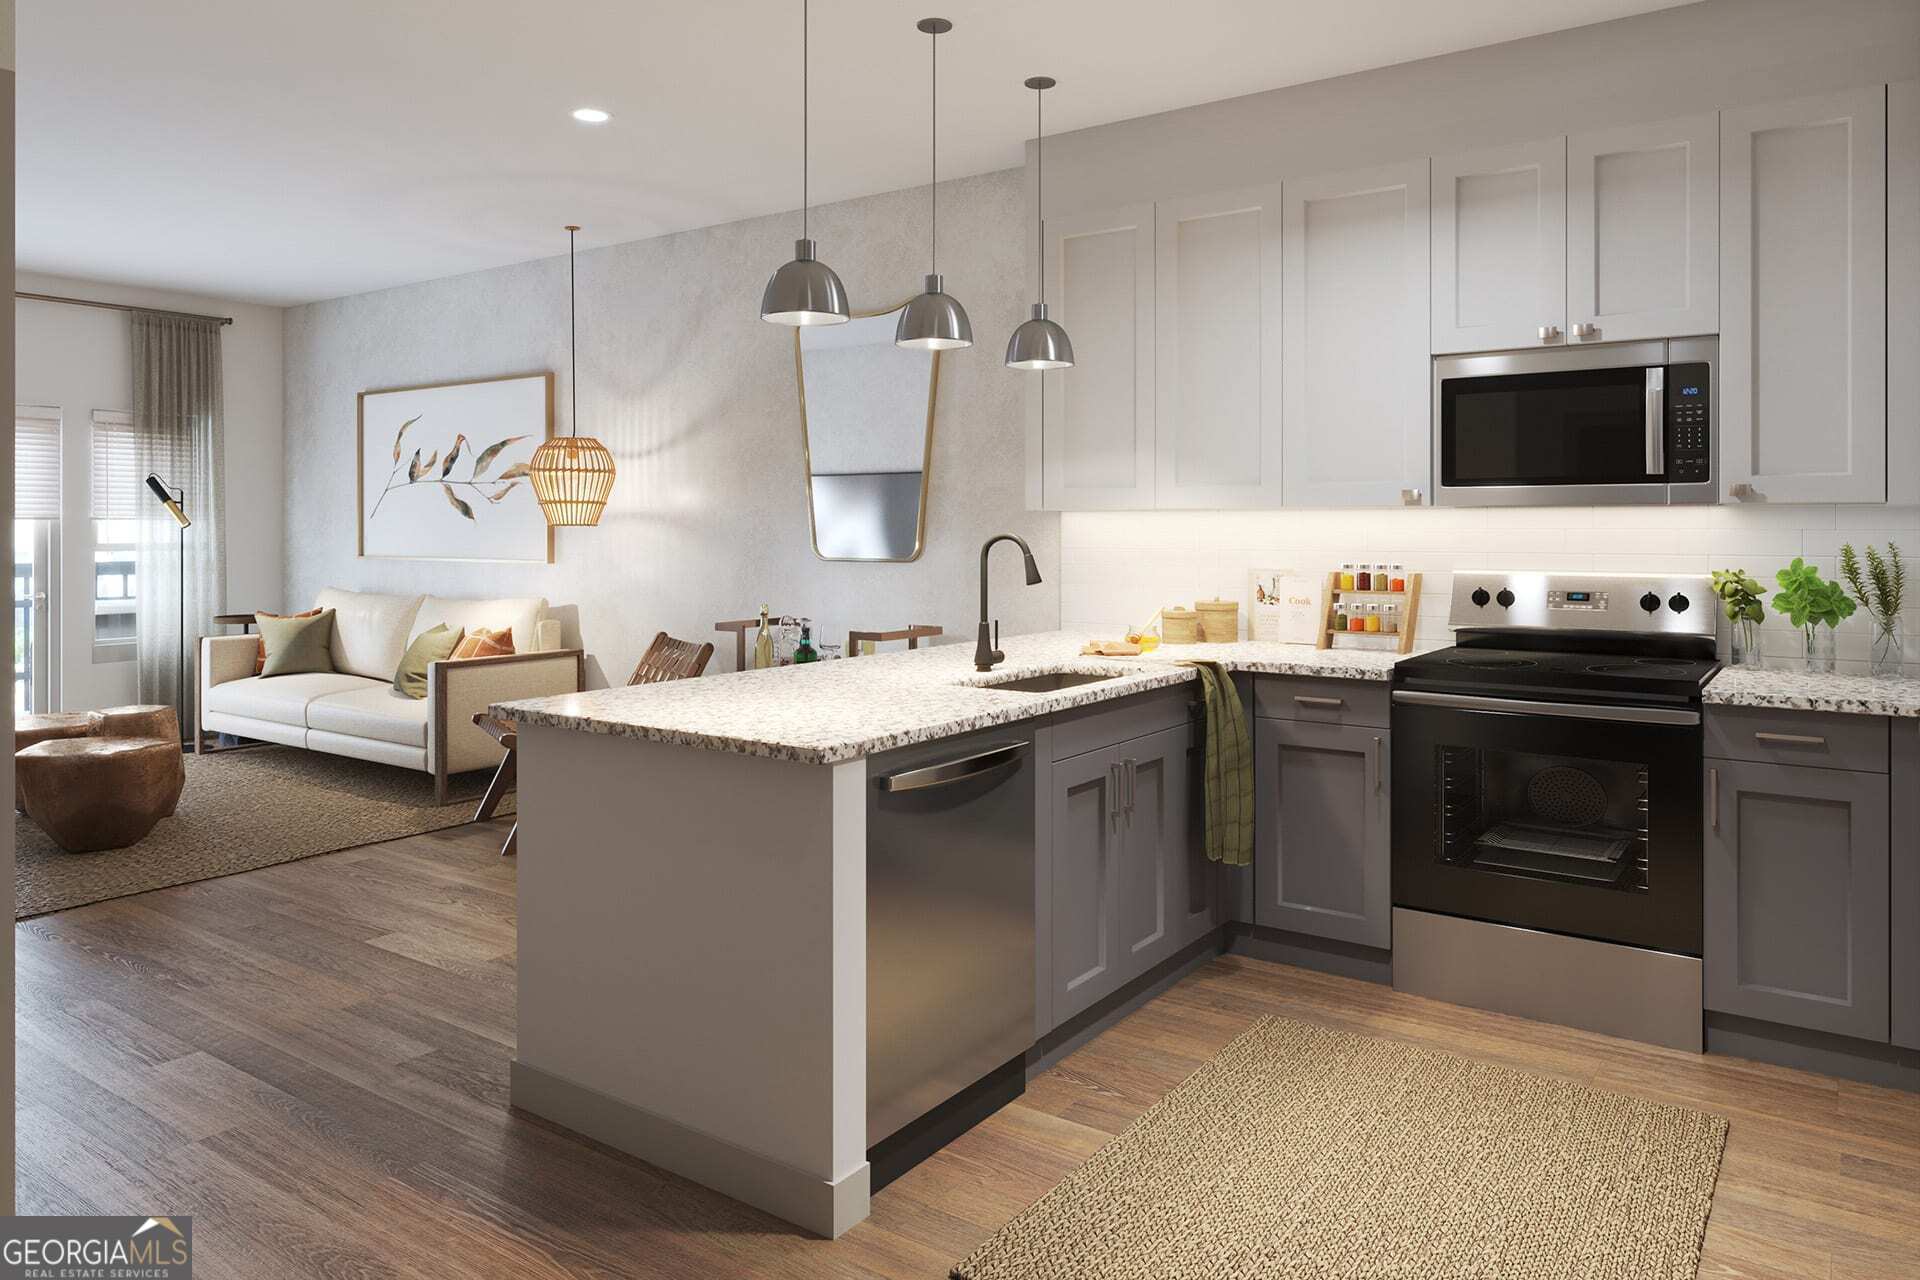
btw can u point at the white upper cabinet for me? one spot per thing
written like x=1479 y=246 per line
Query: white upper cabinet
x=1356 y=314
x=1217 y=339
x=1096 y=419
x=1642 y=231
x=1903 y=292
x=1500 y=247
x=1803 y=273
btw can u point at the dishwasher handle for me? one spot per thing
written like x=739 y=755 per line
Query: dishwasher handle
x=950 y=771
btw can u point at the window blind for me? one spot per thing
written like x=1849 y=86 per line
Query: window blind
x=116 y=462
x=36 y=463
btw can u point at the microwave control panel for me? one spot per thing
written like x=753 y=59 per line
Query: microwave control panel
x=1689 y=423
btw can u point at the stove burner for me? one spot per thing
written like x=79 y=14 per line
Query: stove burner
x=1492 y=663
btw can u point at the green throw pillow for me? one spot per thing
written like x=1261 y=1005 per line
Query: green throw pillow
x=296 y=645
x=435 y=644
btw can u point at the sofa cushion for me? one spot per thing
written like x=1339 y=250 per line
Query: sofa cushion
x=370 y=630
x=435 y=644
x=280 y=699
x=296 y=646
x=372 y=711
x=485 y=644
x=520 y=613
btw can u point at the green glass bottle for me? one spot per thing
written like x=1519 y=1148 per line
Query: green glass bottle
x=804 y=651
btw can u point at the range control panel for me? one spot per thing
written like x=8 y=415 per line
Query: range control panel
x=1689 y=419
x=1643 y=604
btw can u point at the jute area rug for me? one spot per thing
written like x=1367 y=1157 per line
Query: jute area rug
x=1304 y=1152
x=242 y=810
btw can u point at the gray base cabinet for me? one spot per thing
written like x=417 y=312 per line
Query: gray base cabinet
x=1904 y=852
x=1796 y=896
x=1322 y=857
x=1130 y=883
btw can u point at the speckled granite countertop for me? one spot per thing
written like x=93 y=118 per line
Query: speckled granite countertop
x=1803 y=691
x=834 y=711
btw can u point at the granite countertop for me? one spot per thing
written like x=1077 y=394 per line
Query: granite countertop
x=1804 y=691
x=829 y=712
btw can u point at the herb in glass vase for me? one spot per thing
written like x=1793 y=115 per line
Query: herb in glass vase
x=1739 y=593
x=1881 y=589
x=1814 y=604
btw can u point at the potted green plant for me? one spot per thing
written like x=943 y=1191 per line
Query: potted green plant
x=1739 y=593
x=1881 y=589
x=1814 y=604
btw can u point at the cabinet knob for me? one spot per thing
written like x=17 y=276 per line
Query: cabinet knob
x=1411 y=497
x=1586 y=331
x=1743 y=491
x=1549 y=333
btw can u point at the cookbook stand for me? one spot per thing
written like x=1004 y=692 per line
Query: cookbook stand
x=1409 y=615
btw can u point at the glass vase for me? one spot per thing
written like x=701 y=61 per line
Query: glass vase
x=1889 y=648
x=1744 y=650
x=1820 y=650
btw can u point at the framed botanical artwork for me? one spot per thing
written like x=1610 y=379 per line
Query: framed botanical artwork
x=443 y=470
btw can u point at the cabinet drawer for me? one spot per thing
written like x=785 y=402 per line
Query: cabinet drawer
x=1822 y=740
x=1321 y=701
x=1087 y=729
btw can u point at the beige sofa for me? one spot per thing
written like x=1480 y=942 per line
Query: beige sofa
x=353 y=710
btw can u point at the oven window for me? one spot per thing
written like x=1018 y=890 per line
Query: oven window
x=1549 y=817
x=1586 y=426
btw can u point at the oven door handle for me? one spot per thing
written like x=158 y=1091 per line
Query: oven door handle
x=1656 y=421
x=1564 y=710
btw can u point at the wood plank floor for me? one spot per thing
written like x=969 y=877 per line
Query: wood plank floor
x=312 y=1060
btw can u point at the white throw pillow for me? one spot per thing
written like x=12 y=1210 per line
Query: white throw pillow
x=522 y=613
x=370 y=630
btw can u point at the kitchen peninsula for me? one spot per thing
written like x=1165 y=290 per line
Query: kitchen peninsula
x=693 y=922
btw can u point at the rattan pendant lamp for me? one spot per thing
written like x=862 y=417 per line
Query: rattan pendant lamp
x=572 y=474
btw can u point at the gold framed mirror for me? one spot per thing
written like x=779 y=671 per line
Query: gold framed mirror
x=866 y=437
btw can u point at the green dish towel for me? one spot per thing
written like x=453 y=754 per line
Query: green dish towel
x=1229 y=768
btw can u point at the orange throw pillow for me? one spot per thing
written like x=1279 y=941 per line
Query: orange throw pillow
x=260 y=654
x=482 y=643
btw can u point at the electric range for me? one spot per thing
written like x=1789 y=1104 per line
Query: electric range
x=1547 y=804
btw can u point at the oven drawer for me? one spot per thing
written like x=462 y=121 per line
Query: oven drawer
x=1820 y=739
x=1322 y=701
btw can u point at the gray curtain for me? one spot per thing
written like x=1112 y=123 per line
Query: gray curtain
x=177 y=419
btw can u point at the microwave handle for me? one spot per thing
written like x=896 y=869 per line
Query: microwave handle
x=1656 y=421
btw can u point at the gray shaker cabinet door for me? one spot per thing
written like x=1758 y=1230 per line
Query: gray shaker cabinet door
x=1322 y=857
x=1087 y=822
x=1156 y=801
x=1796 y=896
x=1905 y=852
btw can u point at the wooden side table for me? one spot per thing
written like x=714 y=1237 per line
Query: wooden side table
x=244 y=621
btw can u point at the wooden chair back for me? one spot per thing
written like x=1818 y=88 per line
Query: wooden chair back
x=670 y=659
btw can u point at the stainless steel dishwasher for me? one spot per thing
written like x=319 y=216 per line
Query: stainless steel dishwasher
x=950 y=938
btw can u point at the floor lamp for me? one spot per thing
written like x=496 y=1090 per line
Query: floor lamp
x=171 y=496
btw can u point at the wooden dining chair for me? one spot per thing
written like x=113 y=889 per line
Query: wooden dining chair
x=665 y=659
x=912 y=634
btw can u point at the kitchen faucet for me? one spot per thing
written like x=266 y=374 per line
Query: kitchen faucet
x=986 y=654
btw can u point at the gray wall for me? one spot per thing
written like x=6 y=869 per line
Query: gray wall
x=695 y=395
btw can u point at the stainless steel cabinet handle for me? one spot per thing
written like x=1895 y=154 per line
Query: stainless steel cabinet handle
x=1113 y=791
x=1656 y=422
x=1411 y=497
x=1741 y=491
x=1713 y=798
x=1377 y=770
x=1549 y=333
x=1308 y=700
x=1791 y=739
x=1130 y=763
x=950 y=771
x=1586 y=331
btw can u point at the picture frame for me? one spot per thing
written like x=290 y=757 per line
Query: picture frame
x=446 y=475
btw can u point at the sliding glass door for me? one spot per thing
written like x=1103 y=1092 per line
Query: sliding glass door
x=33 y=591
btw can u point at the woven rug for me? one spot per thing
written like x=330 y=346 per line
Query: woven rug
x=242 y=810
x=1303 y=1152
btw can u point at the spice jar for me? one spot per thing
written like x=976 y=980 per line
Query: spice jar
x=1356 y=617
x=1390 y=618
x=1346 y=577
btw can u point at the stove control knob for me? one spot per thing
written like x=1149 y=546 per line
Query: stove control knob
x=1678 y=603
x=1505 y=598
x=1480 y=597
x=1650 y=602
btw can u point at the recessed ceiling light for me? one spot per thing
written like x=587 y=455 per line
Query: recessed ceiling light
x=590 y=115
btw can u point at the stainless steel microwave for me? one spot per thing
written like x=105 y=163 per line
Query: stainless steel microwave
x=1626 y=422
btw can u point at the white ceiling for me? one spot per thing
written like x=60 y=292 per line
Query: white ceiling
x=282 y=151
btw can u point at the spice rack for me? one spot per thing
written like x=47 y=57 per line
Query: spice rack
x=1399 y=642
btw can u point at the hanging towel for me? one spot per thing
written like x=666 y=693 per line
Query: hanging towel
x=1229 y=768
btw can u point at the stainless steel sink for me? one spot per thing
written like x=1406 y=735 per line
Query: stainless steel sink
x=1052 y=682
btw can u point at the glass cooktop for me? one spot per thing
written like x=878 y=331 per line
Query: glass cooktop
x=1546 y=674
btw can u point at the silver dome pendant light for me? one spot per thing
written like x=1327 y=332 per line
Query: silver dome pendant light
x=1039 y=343
x=935 y=320
x=804 y=291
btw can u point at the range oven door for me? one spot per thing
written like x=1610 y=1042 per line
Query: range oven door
x=1569 y=818
x=1626 y=423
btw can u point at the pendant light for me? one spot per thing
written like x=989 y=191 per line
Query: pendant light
x=572 y=474
x=805 y=291
x=1039 y=343
x=934 y=321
